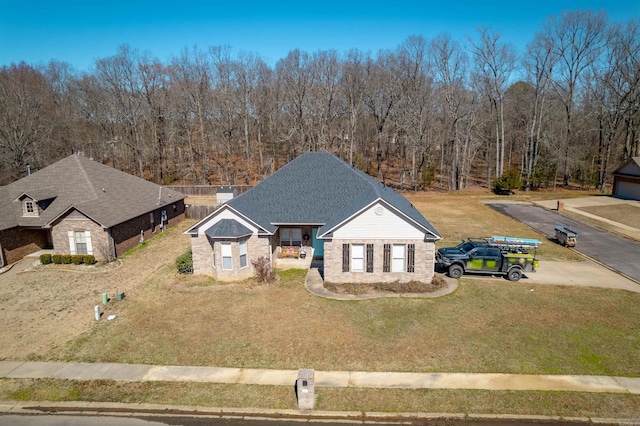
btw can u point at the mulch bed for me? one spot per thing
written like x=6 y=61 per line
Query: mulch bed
x=436 y=284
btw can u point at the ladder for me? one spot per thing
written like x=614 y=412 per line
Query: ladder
x=511 y=244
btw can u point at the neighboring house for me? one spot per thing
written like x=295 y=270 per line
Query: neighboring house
x=626 y=180
x=225 y=193
x=363 y=230
x=80 y=206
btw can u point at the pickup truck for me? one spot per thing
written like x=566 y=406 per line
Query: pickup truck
x=486 y=257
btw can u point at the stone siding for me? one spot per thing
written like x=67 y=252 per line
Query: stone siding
x=76 y=221
x=126 y=235
x=17 y=243
x=424 y=263
x=203 y=249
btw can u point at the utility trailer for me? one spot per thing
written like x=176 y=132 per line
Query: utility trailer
x=566 y=236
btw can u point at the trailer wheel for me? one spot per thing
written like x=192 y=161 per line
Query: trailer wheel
x=455 y=271
x=514 y=274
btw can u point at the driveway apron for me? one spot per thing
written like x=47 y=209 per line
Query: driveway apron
x=615 y=252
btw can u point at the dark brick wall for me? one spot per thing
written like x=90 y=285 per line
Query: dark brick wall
x=16 y=243
x=127 y=235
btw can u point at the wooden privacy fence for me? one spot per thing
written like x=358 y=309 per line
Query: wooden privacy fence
x=198 y=212
x=205 y=190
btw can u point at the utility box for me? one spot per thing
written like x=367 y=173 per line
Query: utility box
x=560 y=205
x=305 y=389
x=119 y=296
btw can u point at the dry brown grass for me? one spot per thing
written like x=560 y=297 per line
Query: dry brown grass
x=622 y=213
x=485 y=326
x=460 y=216
x=564 y=404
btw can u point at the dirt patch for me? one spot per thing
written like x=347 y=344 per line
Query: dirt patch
x=413 y=287
x=47 y=306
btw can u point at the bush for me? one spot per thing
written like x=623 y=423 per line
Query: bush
x=77 y=259
x=265 y=273
x=45 y=259
x=184 y=263
x=57 y=259
x=66 y=259
x=509 y=181
x=88 y=259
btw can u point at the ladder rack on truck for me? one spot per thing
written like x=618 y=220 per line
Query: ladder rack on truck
x=514 y=245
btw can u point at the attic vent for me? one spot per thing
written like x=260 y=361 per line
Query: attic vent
x=379 y=210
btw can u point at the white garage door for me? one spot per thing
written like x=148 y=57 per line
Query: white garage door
x=628 y=190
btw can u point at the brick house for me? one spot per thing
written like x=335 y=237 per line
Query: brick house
x=626 y=180
x=361 y=229
x=80 y=206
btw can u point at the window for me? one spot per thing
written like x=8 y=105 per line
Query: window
x=243 y=253
x=386 y=261
x=80 y=242
x=369 y=257
x=225 y=251
x=357 y=257
x=290 y=237
x=345 y=258
x=397 y=264
x=29 y=208
x=213 y=256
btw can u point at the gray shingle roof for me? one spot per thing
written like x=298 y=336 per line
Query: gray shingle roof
x=106 y=195
x=228 y=228
x=318 y=188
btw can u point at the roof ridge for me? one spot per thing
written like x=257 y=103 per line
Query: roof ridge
x=369 y=180
x=85 y=175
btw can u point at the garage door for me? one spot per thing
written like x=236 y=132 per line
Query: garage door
x=628 y=190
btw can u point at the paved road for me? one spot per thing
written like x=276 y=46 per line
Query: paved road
x=617 y=253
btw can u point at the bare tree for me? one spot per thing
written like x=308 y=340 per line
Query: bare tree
x=577 y=40
x=494 y=61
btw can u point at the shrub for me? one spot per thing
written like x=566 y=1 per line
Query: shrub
x=265 y=273
x=57 y=259
x=184 y=263
x=88 y=259
x=45 y=259
x=77 y=259
x=66 y=259
x=509 y=181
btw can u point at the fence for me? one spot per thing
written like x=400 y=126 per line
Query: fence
x=206 y=190
x=198 y=212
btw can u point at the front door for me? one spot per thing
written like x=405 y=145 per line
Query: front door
x=318 y=244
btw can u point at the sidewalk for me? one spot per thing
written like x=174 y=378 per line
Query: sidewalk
x=340 y=379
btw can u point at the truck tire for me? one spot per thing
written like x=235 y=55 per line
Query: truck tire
x=514 y=274
x=455 y=271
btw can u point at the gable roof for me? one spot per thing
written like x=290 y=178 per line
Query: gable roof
x=631 y=167
x=317 y=188
x=104 y=194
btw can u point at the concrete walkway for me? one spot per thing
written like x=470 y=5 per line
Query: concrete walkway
x=340 y=379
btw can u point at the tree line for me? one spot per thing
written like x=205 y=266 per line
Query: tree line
x=436 y=112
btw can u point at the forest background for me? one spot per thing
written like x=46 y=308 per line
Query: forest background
x=430 y=113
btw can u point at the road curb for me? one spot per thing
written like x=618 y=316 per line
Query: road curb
x=355 y=417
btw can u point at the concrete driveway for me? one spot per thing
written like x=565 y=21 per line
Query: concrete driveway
x=617 y=253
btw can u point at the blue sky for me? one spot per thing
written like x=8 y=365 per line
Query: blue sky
x=79 y=32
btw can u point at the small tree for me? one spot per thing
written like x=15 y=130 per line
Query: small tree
x=509 y=181
x=265 y=273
